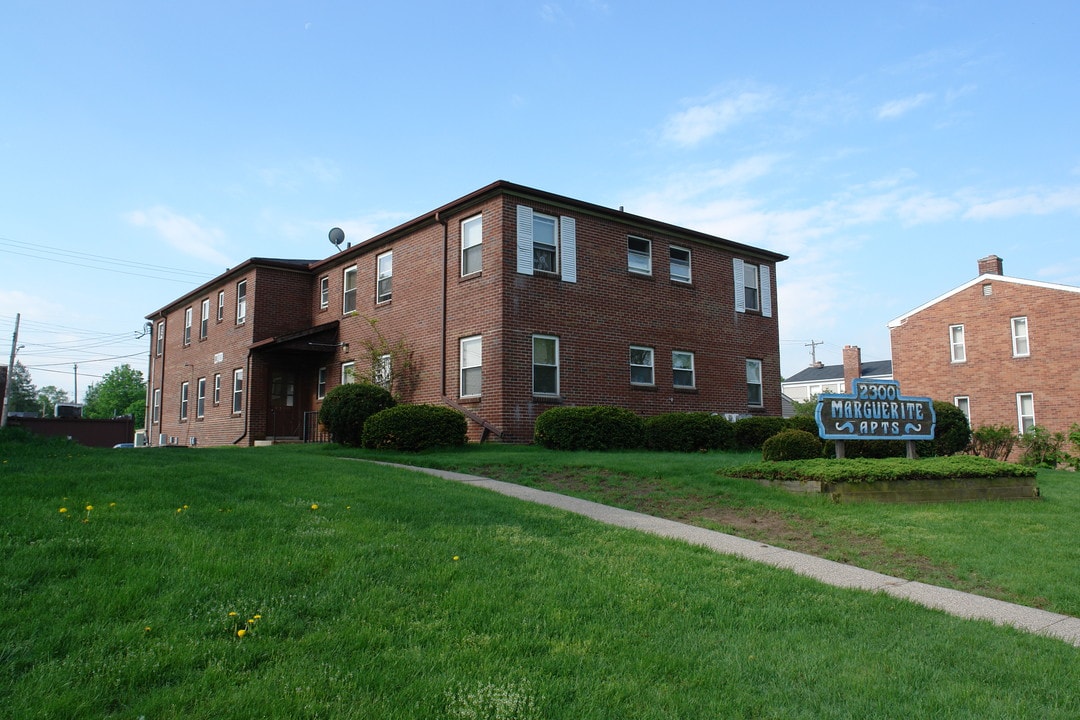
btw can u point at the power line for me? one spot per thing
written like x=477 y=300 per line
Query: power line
x=160 y=272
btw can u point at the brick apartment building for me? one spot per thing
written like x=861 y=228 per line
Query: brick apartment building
x=1003 y=349
x=502 y=303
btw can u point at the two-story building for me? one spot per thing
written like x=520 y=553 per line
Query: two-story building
x=502 y=303
x=1004 y=350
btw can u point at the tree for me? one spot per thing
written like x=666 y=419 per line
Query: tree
x=121 y=391
x=48 y=397
x=23 y=397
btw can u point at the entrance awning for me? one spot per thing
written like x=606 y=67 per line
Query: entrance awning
x=318 y=339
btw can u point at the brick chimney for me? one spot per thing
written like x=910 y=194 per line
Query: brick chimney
x=852 y=365
x=990 y=265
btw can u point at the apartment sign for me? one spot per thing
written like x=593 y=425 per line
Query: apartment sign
x=874 y=410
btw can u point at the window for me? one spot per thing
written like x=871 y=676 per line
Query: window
x=1020 y=337
x=679 y=261
x=238 y=390
x=384 y=281
x=956 y=343
x=156 y=414
x=320 y=384
x=639 y=255
x=183 y=401
x=221 y=306
x=160 y=337
x=324 y=292
x=753 y=288
x=204 y=320
x=545 y=362
x=641 y=365
x=546 y=244
x=381 y=372
x=241 y=302
x=217 y=388
x=471 y=363
x=964 y=403
x=1025 y=411
x=348 y=302
x=471 y=245
x=753 y=383
x=187 y=326
x=200 y=397
x=348 y=373
x=682 y=369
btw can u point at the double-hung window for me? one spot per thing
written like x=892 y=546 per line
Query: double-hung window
x=156 y=413
x=963 y=402
x=956 y=343
x=324 y=292
x=221 y=305
x=241 y=302
x=682 y=369
x=639 y=255
x=200 y=399
x=679 y=262
x=183 y=401
x=204 y=319
x=641 y=365
x=753 y=288
x=348 y=295
x=384 y=281
x=217 y=388
x=754 y=396
x=187 y=326
x=471 y=365
x=546 y=244
x=545 y=365
x=1025 y=411
x=238 y=390
x=1021 y=348
x=160 y=337
x=472 y=231
x=348 y=373
x=382 y=373
x=320 y=384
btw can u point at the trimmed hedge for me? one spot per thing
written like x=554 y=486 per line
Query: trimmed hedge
x=752 y=432
x=688 y=432
x=595 y=427
x=415 y=427
x=346 y=408
x=864 y=470
x=792 y=445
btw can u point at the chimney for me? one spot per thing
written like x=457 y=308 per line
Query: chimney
x=990 y=265
x=852 y=365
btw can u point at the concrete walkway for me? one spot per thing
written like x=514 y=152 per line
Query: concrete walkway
x=954 y=602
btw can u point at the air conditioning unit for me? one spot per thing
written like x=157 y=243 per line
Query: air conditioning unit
x=68 y=410
x=140 y=438
x=732 y=417
x=162 y=440
x=193 y=441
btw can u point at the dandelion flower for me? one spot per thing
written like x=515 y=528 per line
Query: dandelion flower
x=314 y=506
x=63 y=510
x=241 y=632
x=232 y=614
x=456 y=558
x=257 y=617
x=89 y=508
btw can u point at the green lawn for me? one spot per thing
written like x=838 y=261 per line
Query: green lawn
x=371 y=592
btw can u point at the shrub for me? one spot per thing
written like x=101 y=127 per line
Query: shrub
x=952 y=433
x=752 y=432
x=346 y=408
x=688 y=432
x=1042 y=448
x=589 y=428
x=415 y=427
x=792 y=445
x=871 y=449
x=993 y=441
x=806 y=423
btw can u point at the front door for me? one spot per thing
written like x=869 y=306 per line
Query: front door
x=284 y=420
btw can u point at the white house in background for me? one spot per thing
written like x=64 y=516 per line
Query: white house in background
x=819 y=378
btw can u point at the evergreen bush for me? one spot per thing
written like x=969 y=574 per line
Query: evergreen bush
x=792 y=445
x=346 y=408
x=688 y=432
x=806 y=423
x=415 y=427
x=952 y=433
x=589 y=428
x=752 y=432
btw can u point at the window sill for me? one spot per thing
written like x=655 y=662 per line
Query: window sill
x=642 y=386
x=470 y=400
x=639 y=274
x=548 y=399
x=685 y=389
x=471 y=276
x=688 y=284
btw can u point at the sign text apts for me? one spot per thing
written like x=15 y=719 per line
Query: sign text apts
x=874 y=410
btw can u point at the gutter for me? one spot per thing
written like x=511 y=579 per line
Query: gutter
x=442 y=331
x=247 y=398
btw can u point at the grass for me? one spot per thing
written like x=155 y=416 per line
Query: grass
x=388 y=594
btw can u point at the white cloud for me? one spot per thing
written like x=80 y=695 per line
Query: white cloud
x=188 y=235
x=896 y=108
x=700 y=122
x=1031 y=202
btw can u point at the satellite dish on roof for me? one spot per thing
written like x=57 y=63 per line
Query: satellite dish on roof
x=337 y=236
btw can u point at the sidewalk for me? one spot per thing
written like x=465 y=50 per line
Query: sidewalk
x=954 y=602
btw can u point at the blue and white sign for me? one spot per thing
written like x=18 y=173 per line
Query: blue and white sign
x=875 y=410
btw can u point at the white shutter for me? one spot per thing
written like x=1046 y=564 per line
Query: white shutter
x=568 y=248
x=524 y=240
x=766 y=290
x=740 y=290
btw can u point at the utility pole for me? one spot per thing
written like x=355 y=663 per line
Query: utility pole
x=813 y=350
x=10 y=373
x=76 y=401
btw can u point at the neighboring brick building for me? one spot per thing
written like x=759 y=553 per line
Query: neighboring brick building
x=1002 y=349
x=502 y=303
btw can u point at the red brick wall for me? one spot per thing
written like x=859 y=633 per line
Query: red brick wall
x=991 y=377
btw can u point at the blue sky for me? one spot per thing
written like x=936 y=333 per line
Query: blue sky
x=884 y=146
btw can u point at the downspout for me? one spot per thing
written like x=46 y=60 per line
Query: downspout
x=148 y=410
x=247 y=398
x=442 y=333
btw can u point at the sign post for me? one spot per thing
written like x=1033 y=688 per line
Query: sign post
x=874 y=410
